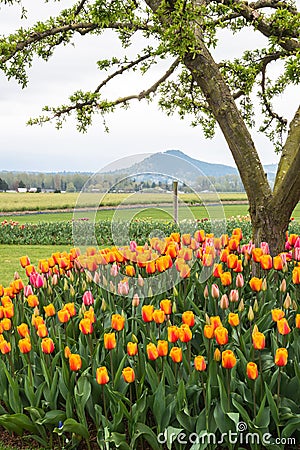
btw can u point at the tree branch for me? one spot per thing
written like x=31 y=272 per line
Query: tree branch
x=273 y=115
x=122 y=100
x=288 y=172
x=251 y=15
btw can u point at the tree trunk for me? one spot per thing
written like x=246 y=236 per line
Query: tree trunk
x=269 y=225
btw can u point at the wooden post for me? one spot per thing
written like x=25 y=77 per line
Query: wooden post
x=175 y=201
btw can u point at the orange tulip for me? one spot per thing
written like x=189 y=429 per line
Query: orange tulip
x=297 y=320
x=228 y=359
x=185 y=271
x=110 y=341
x=232 y=260
x=37 y=320
x=257 y=254
x=128 y=375
x=277 y=314
x=255 y=284
x=217 y=355
x=132 y=348
x=5 y=347
x=185 y=334
x=42 y=331
x=176 y=354
x=224 y=255
x=70 y=307
x=117 y=322
x=158 y=316
x=162 y=348
x=6 y=324
x=90 y=315
x=281 y=357
x=221 y=335
x=199 y=363
x=130 y=271
x=218 y=270
x=237 y=234
x=86 y=326
x=44 y=266
x=252 y=371
x=24 y=345
x=24 y=261
x=152 y=352
x=49 y=310
x=283 y=326
x=199 y=235
x=173 y=333
x=67 y=352
x=239 y=266
x=9 y=311
x=215 y=321
x=277 y=263
x=266 y=262
x=47 y=345
x=188 y=318
x=147 y=313
x=233 y=319
x=166 y=306
x=102 y=375
x=186 y=239
x=150 y=267
x=209 y=331
x=226 y=278
x=296 y=275
x=233 y=244
x=75 y=362
x=63 y=315
x=33 y=301
x=23 y=330
x=258 y=340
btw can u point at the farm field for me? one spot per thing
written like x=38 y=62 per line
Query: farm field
x=10 y=258
x=40 y=202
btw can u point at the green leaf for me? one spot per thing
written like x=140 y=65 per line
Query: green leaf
x=262 y=418
x=52 y=417
x=147 y=433
x=119 y=440
x=240 y=408
x=272 y=404
x=152 y=377
x=159 y=404
x=223 y=395
x=293 y=425
x=72 y=426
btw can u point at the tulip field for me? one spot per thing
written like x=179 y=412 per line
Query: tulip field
x=189 y=341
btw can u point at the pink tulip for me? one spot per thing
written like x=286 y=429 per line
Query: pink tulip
x=234 y=295
x=114 y=270
x=239 y=282
x=88 y=298
x=28 y=290
x=224 y=302
x=265 y=248
x=133 y=246
x=123 y=288
x=215 y=291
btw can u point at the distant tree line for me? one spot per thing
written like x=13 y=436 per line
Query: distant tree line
x=75 y=182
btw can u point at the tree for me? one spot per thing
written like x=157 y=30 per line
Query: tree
x=185 y=32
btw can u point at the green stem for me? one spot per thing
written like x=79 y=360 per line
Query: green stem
x=254 y=400
x=278 y=387
x=111 y=365
x=228 y=387
x=104 y=402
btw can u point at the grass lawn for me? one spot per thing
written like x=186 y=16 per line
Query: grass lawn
x=10 y=259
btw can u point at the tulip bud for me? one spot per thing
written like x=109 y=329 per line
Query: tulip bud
x=239 y=282
x=215 y=291
x=224 y=302
x=241 y=306
x=264 y=286
x=234 y=295
x=96 y=278
x=255 y=306
x=294 y=306
x=49 y=290
x=205 y=292
x=66 y=286
x=135 y=300
x=175 y=292
x=207 y=319
x=217 y=355
x=283 y=285
x=16 y=276
x=89 y=277
x=285 y=268
x=287 y=302
x=103 y=305
x=134 y=338
x=250 y=314
x=54 y=280
x=140 y=280
x=104 y=281
x=150 y=292
x=71 y=276
x=112 y=287
x=255 y=329
x=72 y=291
x=44 y=283
x=174 y=307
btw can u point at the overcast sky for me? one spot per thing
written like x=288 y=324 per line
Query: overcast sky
x=141 y=129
